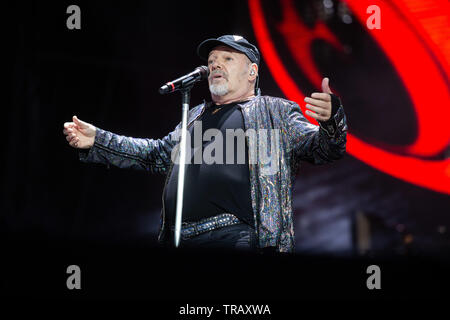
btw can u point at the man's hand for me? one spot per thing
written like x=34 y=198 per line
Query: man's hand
x=79 y=134
x=320 y=103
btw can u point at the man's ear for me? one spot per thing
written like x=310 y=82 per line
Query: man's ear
x=253 y=71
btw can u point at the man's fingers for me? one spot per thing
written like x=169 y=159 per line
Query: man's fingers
x=316 y=115
x=81 y=124
x=68 y=131
x=317 y=102
x=317 y=110
x=71 y=136
x=321 y=96
x=68 y=125
x=74 y=143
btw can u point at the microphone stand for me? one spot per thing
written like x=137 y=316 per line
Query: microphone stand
x=185 y=98
x=184 y=84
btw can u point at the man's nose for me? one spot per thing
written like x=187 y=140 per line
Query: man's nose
x=215 y=65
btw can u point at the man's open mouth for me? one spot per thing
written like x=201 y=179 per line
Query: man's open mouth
x=217 y=76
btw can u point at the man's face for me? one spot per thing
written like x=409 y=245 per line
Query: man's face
x=229 y=70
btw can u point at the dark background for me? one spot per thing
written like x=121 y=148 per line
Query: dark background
x=58 y=210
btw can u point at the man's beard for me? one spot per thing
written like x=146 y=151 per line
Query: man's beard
x=218 y=89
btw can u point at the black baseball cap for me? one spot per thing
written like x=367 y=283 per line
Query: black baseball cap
x=238 y=43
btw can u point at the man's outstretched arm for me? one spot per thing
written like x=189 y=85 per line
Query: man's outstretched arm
x=323 y=143
x=100 y=146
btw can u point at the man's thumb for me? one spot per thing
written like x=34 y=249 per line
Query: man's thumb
x=326 y=85
x=78 y=122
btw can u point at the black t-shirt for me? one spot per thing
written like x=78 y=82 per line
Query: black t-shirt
x=212 y=189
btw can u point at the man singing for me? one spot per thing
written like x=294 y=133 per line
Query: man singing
x=235 y=204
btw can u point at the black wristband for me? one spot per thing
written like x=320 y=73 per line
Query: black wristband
x=330 y=125
x=335 y=104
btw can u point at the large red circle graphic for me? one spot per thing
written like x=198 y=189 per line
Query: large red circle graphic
x=424 y=70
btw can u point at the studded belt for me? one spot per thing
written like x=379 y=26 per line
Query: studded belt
x=192 y=229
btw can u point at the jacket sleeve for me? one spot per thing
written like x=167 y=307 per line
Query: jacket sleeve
x=132 y=153
x=318 y=144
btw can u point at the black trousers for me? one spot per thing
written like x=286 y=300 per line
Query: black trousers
x=237 y=237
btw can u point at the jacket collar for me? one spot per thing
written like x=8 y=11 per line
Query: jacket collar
x=241 y=105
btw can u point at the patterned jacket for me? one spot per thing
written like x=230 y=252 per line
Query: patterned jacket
x=271 y=182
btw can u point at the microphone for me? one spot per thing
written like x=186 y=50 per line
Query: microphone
x=185 y=81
